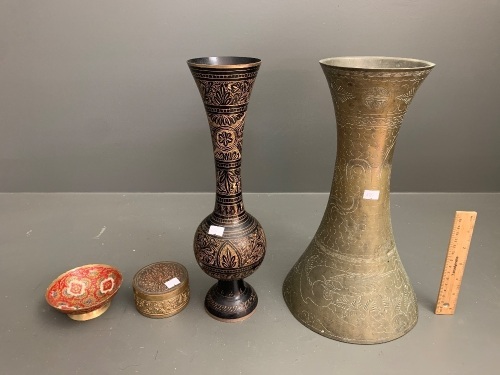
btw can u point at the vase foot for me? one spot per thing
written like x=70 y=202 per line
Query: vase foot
x=231 y=301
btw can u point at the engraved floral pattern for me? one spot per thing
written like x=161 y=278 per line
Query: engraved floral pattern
x=83 y=289
x=76 y=288
x=341 y=93
x=376 y=97
x=225 y=138
x=230 y=309
x=230 y=258
x=165 y=308
x=240 y=250
x=226 y=119
x=151 y=279
x=228 y=181
x=221 y=93
x=350 y=284
x=107 y=285
x=407 y=96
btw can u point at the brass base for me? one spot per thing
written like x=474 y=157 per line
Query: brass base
x=90 y=315
x=348 y=340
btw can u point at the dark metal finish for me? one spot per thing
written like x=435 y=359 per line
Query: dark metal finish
x=350 y=285
x=236 y=245
x=235 y=298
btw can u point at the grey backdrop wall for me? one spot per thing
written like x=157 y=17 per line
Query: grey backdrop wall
x=96 y=95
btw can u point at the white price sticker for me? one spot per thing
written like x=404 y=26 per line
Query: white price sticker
x=371 y=194
x=215 y=230
x=172 y=282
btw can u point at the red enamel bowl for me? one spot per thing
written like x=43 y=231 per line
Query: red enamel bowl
x=84 y=292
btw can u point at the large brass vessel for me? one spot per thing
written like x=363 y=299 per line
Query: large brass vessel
x=349 y=284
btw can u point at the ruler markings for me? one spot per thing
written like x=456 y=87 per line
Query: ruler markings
x=456 y=258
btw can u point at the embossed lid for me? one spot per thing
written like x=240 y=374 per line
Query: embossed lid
x=160 y=281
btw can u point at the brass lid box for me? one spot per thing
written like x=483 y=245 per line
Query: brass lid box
x=161 y=289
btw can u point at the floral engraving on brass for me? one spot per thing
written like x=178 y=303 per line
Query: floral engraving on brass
x=152 y=296
x=162 y=309
x=149 y=279
x=376 y=97
x=221 y=93
x=225 y=85
x=349 y=284
x=342 y=94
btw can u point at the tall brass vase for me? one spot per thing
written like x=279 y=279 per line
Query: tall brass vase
x=349 y=284
x=229 y=244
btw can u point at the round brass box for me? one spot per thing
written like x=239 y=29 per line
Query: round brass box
x=161 y=289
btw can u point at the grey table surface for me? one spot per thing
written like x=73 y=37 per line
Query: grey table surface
x=43 y=235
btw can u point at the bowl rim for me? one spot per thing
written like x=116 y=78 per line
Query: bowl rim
x=245 y=62
x=90 y=307
x=336 y=62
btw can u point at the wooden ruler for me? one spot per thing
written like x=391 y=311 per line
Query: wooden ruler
x=454 y=265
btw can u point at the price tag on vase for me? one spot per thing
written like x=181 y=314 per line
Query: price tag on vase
x=215 y=230
x=371 y=194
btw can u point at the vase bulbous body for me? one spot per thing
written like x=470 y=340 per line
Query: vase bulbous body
x=349 y=284
x=229 y=244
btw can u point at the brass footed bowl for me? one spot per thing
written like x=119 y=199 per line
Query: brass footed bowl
x=85 y=292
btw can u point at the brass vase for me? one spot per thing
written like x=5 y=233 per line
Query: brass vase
x=229 y=244
x=349 y=284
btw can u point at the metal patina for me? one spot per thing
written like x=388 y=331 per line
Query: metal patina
x=349 y=284
x=161 y=289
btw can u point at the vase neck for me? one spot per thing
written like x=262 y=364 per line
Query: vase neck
x=225 y=93
x=369 y=109
x=229 y=208
x=226 y=129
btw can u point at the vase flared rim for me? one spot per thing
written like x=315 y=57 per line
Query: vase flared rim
x=376 y=63
x=224 y=62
